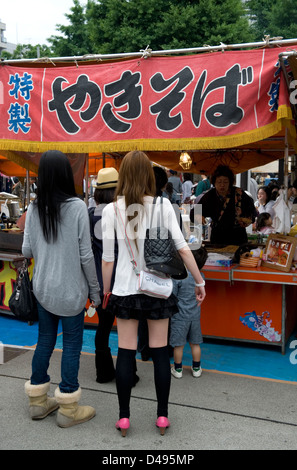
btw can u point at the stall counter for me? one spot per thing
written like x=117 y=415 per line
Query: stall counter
x=244 y=304
x=253 y=305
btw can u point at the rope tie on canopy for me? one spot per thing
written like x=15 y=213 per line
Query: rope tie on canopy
x=44 y=59
x=221 y=47
x=94 y=57
x=267 y=39
x=146 y=53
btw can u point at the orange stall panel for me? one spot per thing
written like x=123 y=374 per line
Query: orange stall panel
x=244 y=311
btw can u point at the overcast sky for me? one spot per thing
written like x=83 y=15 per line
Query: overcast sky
x=33 y=21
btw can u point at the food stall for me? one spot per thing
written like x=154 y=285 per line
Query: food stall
x=220 y=104
x=249 y=304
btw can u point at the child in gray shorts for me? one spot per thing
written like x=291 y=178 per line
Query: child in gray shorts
x=185 y=325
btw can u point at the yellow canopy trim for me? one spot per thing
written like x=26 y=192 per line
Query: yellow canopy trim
x=284 y=119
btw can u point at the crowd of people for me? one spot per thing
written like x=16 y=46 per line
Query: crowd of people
x=90 y=258
x=230 y=210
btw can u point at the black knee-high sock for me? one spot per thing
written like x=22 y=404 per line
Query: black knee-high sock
x=162 y=377
x=125 y=372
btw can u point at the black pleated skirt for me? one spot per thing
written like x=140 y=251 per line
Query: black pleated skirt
x=141 y=306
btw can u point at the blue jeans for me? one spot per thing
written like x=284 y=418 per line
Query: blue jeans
x=72 y=344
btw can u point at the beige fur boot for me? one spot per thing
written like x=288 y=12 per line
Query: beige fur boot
x=69 y=412
x=40 y=404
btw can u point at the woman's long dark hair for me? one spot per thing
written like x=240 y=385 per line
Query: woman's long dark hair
x=161 y=179
x=55 y=185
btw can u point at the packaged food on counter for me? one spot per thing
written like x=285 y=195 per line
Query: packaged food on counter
x=218 y=259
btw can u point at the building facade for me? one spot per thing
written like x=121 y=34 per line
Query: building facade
x=4 y=45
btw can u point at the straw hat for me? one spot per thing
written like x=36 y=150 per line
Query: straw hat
x=106 y=178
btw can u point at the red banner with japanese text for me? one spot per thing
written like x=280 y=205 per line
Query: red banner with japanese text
x=205 y=101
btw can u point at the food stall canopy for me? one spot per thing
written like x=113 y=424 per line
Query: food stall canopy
x=228 y=107
x=18 y=163
x=239 y=159
x=10 y=168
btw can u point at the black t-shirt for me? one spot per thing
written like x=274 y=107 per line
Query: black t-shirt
x=226 y=230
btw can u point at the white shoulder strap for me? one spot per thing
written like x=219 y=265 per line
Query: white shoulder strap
x=127 y=241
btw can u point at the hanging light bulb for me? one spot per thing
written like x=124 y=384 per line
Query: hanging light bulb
x=185 y=161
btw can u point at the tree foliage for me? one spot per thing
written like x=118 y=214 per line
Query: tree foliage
x=277 y=19
x=75 y=35
x=115 y=26
x=27 y=51
x=128 y=26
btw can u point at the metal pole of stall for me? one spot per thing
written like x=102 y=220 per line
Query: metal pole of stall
x=27 y=188
x=286 y=164
x=146 y=53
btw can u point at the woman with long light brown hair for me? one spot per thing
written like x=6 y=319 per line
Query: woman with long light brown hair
x=133 y=200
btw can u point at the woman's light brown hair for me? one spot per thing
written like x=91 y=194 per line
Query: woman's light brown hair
x=136 y=178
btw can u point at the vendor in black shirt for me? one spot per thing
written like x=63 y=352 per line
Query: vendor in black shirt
x=231 y=210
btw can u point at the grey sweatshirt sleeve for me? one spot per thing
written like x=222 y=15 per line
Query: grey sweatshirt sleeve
x=87 y=257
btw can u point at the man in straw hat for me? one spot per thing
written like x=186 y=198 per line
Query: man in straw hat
x=106 y=178
x=105 y=185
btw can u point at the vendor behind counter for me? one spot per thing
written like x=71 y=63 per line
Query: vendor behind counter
x=231 y=210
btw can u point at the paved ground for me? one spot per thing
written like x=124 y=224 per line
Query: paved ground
x=218 y=411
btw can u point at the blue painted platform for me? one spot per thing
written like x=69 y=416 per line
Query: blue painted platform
x=227 y=357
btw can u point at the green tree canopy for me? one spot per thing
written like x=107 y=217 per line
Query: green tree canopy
x=75 y=35
x=27 y=51
x=128 y=26
x=278 y=18
x=116 y=26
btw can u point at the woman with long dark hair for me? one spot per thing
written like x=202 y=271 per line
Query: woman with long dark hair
x=134 y=195
x=57 y=236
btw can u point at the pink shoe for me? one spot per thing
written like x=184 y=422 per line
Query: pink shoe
x=123 y=425
x=162 y=423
